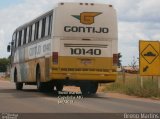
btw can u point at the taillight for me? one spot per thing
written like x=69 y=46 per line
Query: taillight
x=55 y=57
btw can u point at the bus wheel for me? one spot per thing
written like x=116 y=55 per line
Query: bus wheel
x=59 y=86
x=88 y=88
x=85 y=88
x=48 y=87
x=94 y=87
x=85 y=91
x=19 y=86
x=38 y=79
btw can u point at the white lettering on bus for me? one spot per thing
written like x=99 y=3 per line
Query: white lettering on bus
x=46 y=47
x=39 y=50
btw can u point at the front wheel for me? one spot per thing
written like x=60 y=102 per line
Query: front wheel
x=19 y=86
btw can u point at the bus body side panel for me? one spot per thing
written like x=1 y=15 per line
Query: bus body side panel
x=27 y=58
x=39 y=54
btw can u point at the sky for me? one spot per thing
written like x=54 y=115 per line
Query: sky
x=137 y=20
x=6 y=3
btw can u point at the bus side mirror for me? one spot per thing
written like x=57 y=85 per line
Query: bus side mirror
x=8 y=48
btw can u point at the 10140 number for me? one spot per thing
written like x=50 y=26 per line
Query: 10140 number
x=82 y=51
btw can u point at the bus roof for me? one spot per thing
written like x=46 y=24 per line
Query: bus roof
x=34 y=20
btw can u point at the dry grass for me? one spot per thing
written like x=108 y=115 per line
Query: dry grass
x=132 y=86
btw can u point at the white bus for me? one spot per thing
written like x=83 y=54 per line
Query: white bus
x=73 y=44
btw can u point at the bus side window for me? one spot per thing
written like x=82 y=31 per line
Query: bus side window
x=47 y=26
x=14 y=39
x=33 y=31
x=22 y=37
x=17 y=39
x=36 y=30
x=43 y=27
x=25 y=34
x=30 y=34
x=40 y=29
x=50 y=25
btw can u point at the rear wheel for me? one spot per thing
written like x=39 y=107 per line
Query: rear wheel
x=48 y=87
x=40 y=85
x=59 y=86
x=89 y=88
x=94 y=87
x=19 y=85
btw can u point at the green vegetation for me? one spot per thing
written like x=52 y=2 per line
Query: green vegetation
x=132 y=86
x=3 y=64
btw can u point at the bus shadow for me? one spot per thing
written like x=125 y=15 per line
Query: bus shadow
x=34 y=93
x=73 y=94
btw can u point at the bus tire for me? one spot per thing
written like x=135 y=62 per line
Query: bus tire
x=59 y=86
x=88 y=88
x=94 y=87
x=48 y=87
x=40 y=85
x=85 y=88
x=19 y=86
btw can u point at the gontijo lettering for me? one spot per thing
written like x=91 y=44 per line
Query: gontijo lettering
x=86 y=29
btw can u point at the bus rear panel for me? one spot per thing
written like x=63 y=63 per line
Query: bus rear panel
x=87 y=40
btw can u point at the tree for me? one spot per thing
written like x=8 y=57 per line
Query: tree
x=3 y=64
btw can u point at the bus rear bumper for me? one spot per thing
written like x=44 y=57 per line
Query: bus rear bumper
x=101 y=78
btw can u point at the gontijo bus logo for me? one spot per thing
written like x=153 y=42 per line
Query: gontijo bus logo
x=87 y=17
